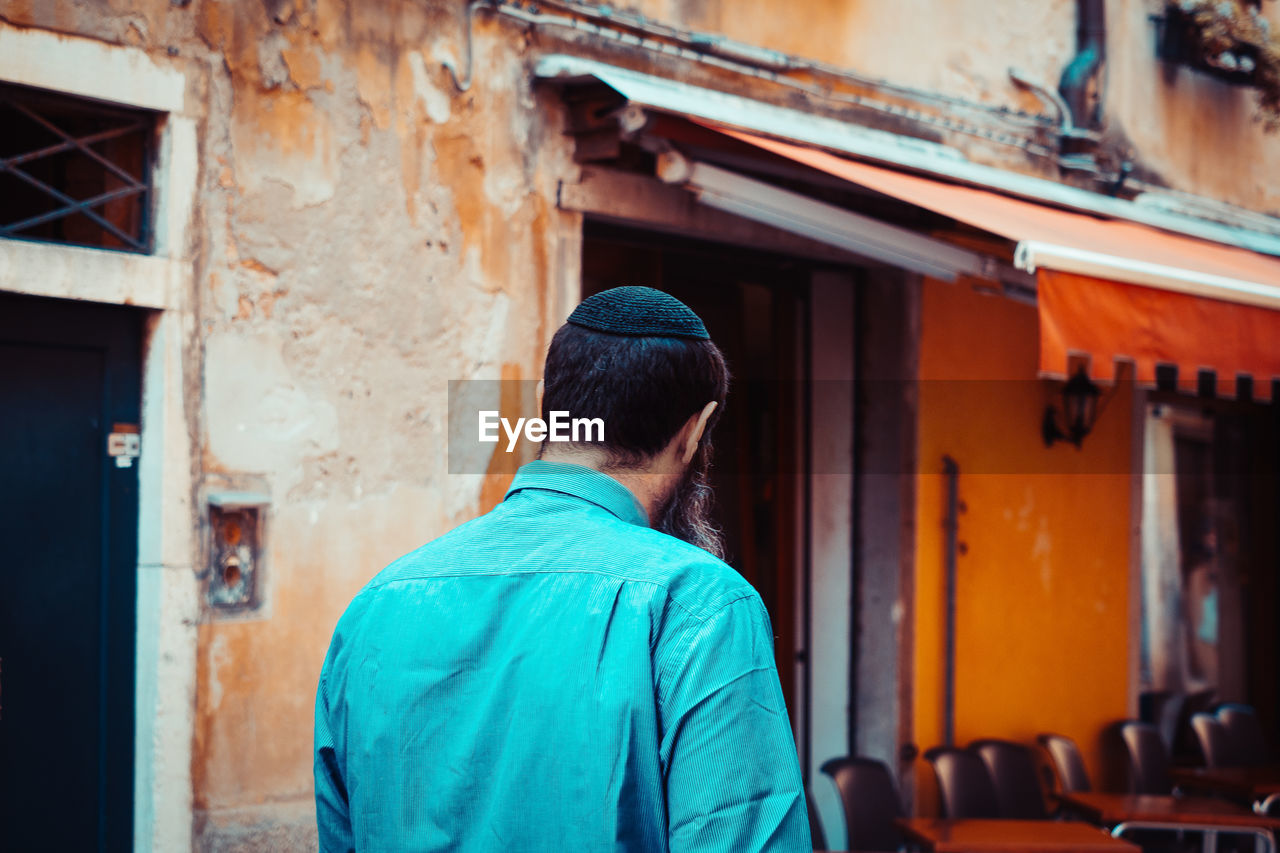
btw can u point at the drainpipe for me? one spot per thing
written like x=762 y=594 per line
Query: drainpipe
x=1091 y=34
x=951 y=530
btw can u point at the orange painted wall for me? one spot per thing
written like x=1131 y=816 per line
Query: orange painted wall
x=1042 y=637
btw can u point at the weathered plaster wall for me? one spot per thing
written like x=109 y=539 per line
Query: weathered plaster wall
x=1194 y=132
x=961 y=48
x=365 y=234
x=372 y=234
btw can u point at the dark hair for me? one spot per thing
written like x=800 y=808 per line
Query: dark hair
x=643 y=388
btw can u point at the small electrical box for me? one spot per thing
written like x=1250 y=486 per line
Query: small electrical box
x=235 y=550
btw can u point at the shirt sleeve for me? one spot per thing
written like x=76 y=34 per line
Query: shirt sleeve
x=732 y=777
x=333 y=811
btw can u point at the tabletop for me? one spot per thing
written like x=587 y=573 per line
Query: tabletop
x=993 y=836
x=1252 y=782
x=1111 y=809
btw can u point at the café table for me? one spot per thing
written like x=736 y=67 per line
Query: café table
x=971 y=835
x=1124 y=813
x=1259 y=785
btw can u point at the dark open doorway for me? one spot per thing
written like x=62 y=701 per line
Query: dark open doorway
x=1212 y=551
x=754 y=306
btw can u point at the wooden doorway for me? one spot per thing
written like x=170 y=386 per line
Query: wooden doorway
x=754 y=305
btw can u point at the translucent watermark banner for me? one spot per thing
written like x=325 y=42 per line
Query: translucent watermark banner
x=898 y=427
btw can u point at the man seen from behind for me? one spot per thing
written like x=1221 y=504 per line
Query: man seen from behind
x=576 y=670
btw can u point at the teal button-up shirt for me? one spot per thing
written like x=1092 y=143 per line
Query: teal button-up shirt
x=556 y=676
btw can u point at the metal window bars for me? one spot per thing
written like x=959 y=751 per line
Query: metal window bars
x=35 y=129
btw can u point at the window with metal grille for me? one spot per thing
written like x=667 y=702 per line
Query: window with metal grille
x=74 y=170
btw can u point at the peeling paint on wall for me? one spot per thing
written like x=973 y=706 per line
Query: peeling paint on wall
x=365 y=233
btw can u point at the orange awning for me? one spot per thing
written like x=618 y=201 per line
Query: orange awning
x=1152 y=298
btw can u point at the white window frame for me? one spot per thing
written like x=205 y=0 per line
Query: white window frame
x=168 y=604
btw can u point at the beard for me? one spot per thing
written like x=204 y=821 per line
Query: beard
x=687 y=512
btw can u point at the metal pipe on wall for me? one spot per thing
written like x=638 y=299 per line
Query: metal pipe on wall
x=951 y=527
x=1091 y=36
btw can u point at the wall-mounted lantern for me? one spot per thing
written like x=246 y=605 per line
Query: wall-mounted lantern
x=1079 y=412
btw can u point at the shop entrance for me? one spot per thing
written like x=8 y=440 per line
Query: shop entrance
x=755 y=307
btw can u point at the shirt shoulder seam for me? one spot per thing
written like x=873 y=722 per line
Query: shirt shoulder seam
x=676 y=601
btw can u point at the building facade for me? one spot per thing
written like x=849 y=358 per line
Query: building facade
x=333 y=210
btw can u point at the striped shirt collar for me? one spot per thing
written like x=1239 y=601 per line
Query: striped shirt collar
x=581 y=482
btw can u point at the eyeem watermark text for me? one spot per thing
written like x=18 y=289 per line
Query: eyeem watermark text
x=561 y=427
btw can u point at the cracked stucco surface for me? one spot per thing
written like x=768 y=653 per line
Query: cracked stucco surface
x=365 y=233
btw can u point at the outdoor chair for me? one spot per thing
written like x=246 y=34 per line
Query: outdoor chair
x=1215 y=745
x=815 y=823
x=964 y=783
x=1012 y=768
x=1186 y=746
x=1245 y=742
x=1163 y=709
x=1067 y=762
x=870 y=801
x=1148 y=758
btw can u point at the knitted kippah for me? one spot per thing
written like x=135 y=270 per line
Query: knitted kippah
x=639 y=312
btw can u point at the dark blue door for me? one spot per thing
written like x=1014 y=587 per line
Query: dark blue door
x=69 y=374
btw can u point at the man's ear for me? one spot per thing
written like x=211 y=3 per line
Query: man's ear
x=695 y=435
